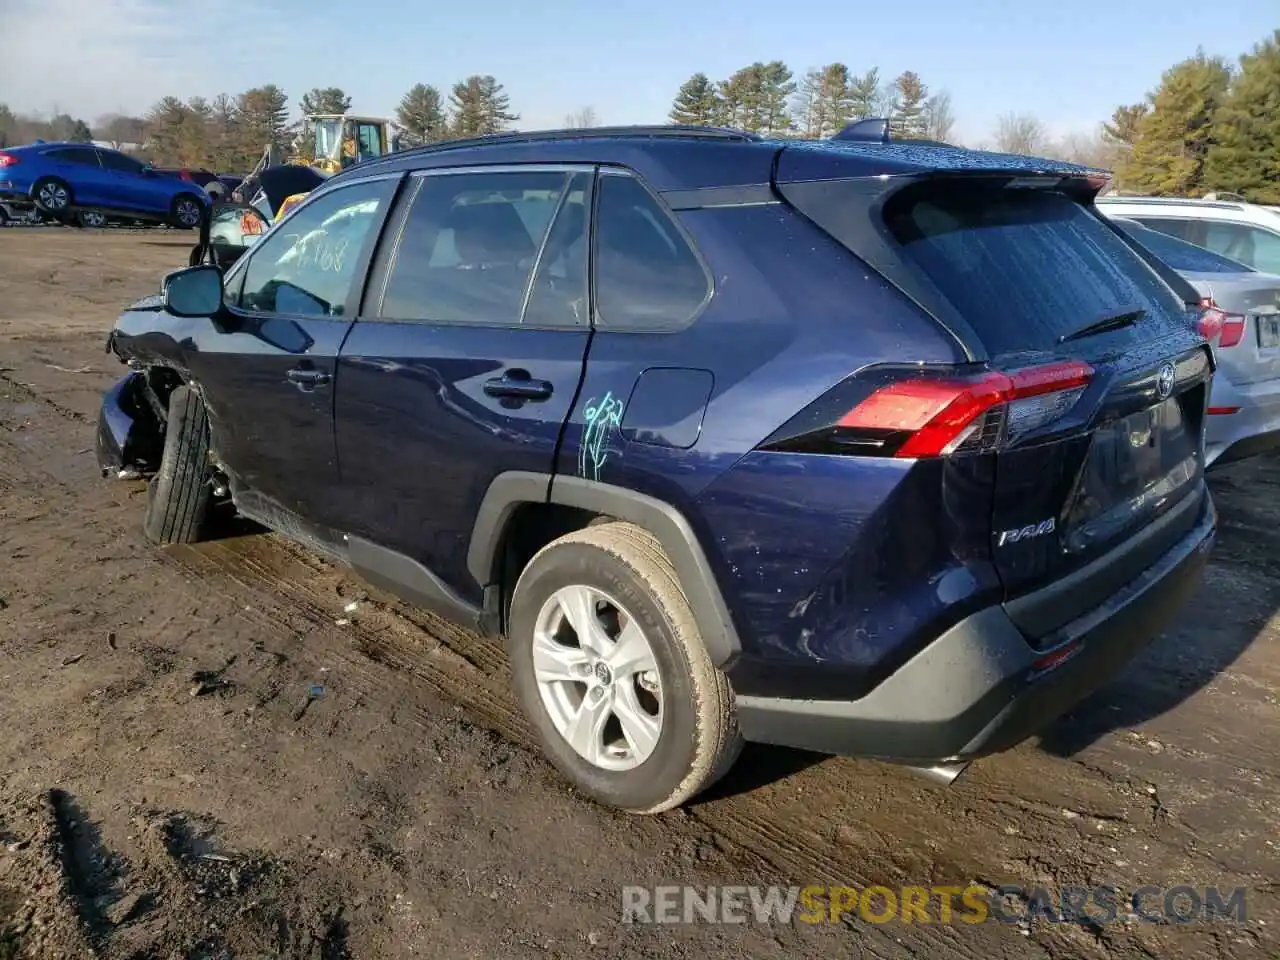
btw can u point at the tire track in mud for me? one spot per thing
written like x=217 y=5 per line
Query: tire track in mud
x=795 y=849
x=827 y=824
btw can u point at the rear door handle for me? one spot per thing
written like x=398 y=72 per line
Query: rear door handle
x=307 y=379
x=516 y=387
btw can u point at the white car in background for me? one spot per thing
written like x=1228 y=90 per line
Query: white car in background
x=1246 y=232
x=1242 y=322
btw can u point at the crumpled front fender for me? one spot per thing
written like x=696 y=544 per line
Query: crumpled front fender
x=130 y=437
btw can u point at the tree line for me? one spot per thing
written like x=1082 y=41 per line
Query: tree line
x=230 y=132
x=767 y=98
x=1208 y=126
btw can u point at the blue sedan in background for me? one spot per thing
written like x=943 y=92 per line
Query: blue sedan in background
x=62 y=178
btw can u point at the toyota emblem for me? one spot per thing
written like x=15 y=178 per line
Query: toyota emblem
x=1164 y=381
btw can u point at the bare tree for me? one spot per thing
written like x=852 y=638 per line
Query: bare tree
x=1091 y=149
x=939 y=119
x=582 y=117
x=1020 y=133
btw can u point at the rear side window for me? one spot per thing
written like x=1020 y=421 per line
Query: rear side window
x=647 y=275
x=83 y=155
x=1184 y=256
x=1023 y=267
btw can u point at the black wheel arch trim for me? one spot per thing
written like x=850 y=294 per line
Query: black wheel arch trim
x=510 y=490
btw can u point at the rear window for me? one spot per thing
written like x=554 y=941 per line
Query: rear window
x=1181 y=255
x=1024 y=266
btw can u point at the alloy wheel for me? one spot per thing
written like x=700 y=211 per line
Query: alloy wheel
x=54 y=197
x=598 y=678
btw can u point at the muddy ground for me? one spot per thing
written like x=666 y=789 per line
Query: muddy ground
x=203 y=754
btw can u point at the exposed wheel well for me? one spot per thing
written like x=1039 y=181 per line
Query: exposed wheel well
x=530 y=528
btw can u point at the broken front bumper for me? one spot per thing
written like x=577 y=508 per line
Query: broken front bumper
x=129 y=440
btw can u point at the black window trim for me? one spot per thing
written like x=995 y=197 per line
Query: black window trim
x=664 y=207
x=380 y=267
x=359 y=280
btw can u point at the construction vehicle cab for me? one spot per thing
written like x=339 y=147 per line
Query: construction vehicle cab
x=340 y=140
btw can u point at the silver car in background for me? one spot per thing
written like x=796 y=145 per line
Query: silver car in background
x=1242 y=323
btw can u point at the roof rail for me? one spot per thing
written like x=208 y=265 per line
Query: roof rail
x=868 y=130
x=667 y=131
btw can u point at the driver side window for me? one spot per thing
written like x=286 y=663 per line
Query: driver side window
x=306 y=266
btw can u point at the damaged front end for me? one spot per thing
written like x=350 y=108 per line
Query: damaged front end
x=130 y=430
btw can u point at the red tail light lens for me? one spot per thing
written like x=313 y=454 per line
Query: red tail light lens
x=8 y=159
x=925 y=417
x=1213 y=322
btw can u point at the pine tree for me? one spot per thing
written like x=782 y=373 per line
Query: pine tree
x=696 y=102
x=1245 y=155
x=864 y=95
x=835 y=91
x=908 y=119
x=1122 y=128
x=806 y=109
x=741 y=98
x=1168 y=155
x=262 y=115
x=166 y=121
x=480 y=107
x=324 y=100
x=421 y=114
x=776 y=88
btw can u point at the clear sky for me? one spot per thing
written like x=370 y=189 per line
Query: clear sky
x=1069 y=64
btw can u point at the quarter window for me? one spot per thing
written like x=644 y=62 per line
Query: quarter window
x=306 y=266
x=647 y=275
x=471 y=242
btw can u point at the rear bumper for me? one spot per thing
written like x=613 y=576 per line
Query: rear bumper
x=1252 y=430
x=128 y=439
x=981 y=688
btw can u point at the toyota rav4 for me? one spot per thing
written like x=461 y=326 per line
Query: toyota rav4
x=882 y=449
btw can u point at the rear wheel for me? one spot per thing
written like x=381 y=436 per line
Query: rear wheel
x=178 y=498
x=187 y=211
x=92 y=218
x=52 y=196
x=609 y=666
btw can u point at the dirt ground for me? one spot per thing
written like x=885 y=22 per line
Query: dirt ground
x=205 y=754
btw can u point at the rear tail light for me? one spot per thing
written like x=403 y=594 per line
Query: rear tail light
x=250 y=225
x=937 y=417
x=1213 y=322
x=8 y=159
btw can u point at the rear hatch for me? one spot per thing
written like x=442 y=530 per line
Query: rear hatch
x=1088 y=382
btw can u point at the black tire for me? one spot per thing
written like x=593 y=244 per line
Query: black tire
x=182 y=203
x=178 y=498
x=53 y=196
x=699 y=739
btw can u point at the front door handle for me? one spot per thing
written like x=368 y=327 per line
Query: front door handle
x=517 y=385
x=306 y=379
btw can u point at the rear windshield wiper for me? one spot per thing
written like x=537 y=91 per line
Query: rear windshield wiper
x=1113 y=322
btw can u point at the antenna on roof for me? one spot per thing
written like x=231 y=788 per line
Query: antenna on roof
x=870 y=130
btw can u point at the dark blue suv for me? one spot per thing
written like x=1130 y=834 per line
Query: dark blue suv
x=881 y=449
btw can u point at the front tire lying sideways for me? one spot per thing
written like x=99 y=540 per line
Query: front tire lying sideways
x=178 y=499
x=609 y=666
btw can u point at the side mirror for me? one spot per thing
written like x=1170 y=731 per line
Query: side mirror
x=194 y=292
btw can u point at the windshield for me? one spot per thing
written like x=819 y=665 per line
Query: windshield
x=1183 y=256
x=328 y=139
